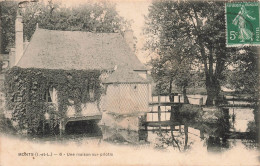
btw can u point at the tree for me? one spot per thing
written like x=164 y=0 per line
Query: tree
x=7 y=11
x=244 y=77
x=175 y=59
x=91 y=17
x=200 y=25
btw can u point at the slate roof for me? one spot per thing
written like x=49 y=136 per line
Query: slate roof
x=51 y=49
x=125 y=75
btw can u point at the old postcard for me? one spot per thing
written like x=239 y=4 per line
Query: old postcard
x=118 y=82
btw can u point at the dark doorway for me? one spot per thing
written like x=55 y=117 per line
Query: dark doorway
x=87 y=128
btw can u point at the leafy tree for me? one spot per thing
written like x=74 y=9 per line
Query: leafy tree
x=201 y=27
x=174 y=61
x=243 y=75
x=7 y=12
x=91 y=17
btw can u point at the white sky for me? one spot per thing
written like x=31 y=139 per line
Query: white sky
x=135 y=11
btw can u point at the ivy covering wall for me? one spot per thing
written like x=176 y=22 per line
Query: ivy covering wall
x=26 y=88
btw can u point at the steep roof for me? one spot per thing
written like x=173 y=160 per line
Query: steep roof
x=78 y=50
x=124 y=75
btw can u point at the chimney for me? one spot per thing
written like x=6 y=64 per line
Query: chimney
x=11 y=57
x=129 y=38
x=25 y=43
x=18 y=38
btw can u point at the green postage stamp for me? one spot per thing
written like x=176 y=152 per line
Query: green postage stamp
x=242 y=24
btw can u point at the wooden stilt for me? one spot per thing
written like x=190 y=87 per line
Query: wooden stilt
x=159 y=114
x=201 y=134
x=186 y=136
x=62 y=127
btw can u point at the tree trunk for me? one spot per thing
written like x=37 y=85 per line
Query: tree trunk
x=173 y=139
x=256 y=118
x=170 y=87
x=213 y=90
x=186 y=136
x=212 y=83
x=184 y=92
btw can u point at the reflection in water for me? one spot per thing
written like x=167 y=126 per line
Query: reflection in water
x=240 y=117
x=81 y=131
x=88 y=132
x=120 y=135
x=87 y=128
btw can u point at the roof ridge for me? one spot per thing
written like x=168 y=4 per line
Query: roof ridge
x=77 y=31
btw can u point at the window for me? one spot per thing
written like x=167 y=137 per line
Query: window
x=48 y=95
x=91 y=95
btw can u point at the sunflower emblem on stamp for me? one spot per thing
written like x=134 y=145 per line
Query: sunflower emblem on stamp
x=242 y=24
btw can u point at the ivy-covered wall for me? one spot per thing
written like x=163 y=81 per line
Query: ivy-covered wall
x=26 y=88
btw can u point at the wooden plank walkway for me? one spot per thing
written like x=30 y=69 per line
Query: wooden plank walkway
x=164 y=103
x=155 y=120
x=253 y=105
x=161 y=123
x=241 y=99
x=240 y=135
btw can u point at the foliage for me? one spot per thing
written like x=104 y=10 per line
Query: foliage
x=174 y=60
x=251 y=127
x=215 y=122
x=6 y=125
x=197 y=31
x=7 y=11
x=190 y=114
x=244 y=74
x=26 y=88
x=91 y=17
x=165 y=141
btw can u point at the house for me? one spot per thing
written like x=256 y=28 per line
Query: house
x=123 y=77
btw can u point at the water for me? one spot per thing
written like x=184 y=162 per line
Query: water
x=242 y=117
x=91 y=132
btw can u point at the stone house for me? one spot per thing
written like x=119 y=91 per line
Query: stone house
x=124 y=77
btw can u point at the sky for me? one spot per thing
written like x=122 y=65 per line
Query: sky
x=135 y=11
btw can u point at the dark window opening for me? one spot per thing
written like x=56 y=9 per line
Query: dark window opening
x=47 y=96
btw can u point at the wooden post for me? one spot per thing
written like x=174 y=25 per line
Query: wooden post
x=233 y=102
x=165 y=108
x=201 y=101
x=201 y=134
x=159 y=113
x=186 y=136
x=62 y=127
